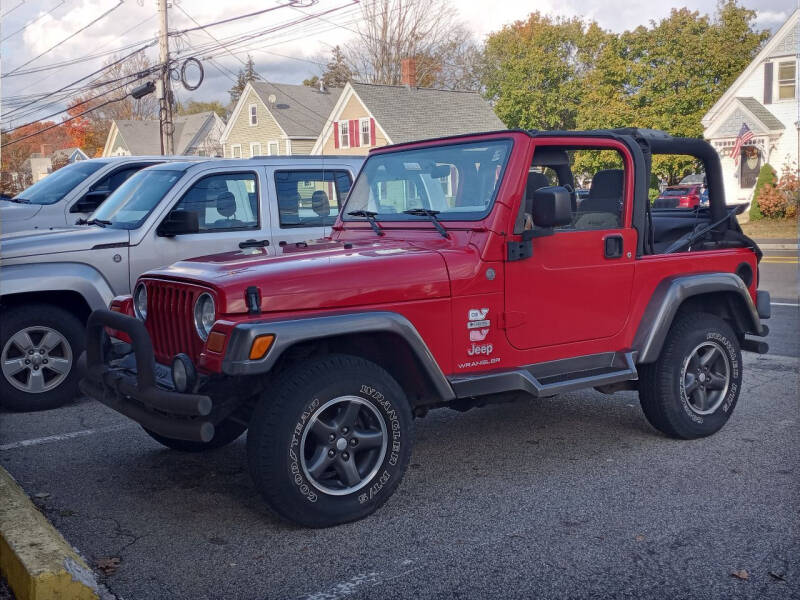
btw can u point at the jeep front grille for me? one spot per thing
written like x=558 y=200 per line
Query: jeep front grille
x=170 y=320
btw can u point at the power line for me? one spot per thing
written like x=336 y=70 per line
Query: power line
x=252 y=14
x=106 y=67
x=10 y=10
x=32 y=21
x=69 y=37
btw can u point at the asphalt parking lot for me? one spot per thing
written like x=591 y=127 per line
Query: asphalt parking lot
x=574 y=497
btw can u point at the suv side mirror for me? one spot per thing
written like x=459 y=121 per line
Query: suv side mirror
x=90 y=201
x=552 y=207
x=179 y=222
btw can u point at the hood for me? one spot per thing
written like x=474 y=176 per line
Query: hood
x=13 y=211
x=57 y=241
x=324 y=275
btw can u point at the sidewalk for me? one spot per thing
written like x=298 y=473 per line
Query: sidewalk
x=776 y=243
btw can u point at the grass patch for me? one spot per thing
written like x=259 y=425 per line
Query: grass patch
x=771 y=228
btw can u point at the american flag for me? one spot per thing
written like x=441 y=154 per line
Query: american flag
x=745 y=135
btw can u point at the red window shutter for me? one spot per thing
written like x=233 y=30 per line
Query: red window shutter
x=354 y=141
x=371 y=131
x=336 y=134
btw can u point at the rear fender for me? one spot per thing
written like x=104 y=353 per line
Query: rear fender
x=724 y=294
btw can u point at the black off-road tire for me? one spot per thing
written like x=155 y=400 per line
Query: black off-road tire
x=225 y=433
x=19 y=318
x=291 y=419
x=662 y=384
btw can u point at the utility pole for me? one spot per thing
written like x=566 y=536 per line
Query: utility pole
x=164 y=89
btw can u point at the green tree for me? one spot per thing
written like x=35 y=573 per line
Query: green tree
x=336 y=73
x=246 y=74
x=532 y=71
x=766 y=176
x=666 y=76
x=193 y=107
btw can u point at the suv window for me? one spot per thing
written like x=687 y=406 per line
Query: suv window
x=113 y=180
x=601 y=171
x=458 y=180
x=58 y=184
x=131 y=203
x=224 y=202
x=310 y=198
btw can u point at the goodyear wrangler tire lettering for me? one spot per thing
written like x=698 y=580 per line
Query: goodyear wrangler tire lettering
x=693 y=387
x=330 y=441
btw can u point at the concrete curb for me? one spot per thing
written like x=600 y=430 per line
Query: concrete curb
x=35 y=559
x=778 y=246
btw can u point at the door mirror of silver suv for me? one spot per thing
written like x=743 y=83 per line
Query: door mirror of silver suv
x=179 y=222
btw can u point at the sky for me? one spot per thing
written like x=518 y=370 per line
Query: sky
x=293 y=51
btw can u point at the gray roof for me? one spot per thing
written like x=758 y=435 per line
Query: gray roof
x=761 y=113
x=143 y=137
x=300 y=110
x=66 y=152
x=407 y=114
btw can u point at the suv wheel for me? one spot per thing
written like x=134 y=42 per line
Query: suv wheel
x=225 y=433
x=331 y=441
x=692 y=389
x=39 y=346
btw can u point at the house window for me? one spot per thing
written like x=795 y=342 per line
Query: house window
x=365 y=132
x=787 y=74
x=255 y=148
x=236 y=151
x=273 y=148
x=253 y=114
x=344 y=134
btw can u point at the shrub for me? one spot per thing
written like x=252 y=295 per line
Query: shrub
x=766 y=176
x=780 y=199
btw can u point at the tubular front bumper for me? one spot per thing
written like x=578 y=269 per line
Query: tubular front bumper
x=136 y=394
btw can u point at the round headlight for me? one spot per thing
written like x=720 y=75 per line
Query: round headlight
x=140 y=301
x=204 y=315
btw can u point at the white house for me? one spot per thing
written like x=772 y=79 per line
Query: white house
x=196 y=134
x=765 y=98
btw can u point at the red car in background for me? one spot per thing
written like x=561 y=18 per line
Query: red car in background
x=679 y=196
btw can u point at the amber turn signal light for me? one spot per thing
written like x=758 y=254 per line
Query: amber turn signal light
x=260 y=346
x=215 y=341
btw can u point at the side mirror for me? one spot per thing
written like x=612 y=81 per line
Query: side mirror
x=552 y=207
x=179 y=222
x=90 y=201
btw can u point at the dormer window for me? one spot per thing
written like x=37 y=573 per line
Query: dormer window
x=253 y=114
x=787 y=76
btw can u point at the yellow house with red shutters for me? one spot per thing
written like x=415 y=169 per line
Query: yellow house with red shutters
x=369 y=116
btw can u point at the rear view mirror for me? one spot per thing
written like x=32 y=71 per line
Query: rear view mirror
x=90 y=202
x=179 y=222
x=552 y=207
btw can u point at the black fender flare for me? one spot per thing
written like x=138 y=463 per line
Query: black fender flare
x=673 y=291
x=291 y=332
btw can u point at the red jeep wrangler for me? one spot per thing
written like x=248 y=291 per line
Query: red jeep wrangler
x=462 y=271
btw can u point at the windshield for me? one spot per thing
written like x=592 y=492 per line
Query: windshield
x=132 y=202
x=458 y=180
x=58 y=184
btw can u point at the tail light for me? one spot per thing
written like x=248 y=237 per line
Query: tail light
x=689 y=201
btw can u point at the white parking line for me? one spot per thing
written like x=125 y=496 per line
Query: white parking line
x=64 y=436
x=794 y=305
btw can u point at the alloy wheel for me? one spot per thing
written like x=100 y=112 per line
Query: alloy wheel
x=343 y=445
x=705 y=377
x=36 y=359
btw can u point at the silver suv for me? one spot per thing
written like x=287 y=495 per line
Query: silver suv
x=51 y=281
x=71 y=193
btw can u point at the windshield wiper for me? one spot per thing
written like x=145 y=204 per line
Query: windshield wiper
x=98 y=222
x=431 y=214
x=18 y=200
x=370 y=217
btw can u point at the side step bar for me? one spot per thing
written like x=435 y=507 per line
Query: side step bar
x=523 y=380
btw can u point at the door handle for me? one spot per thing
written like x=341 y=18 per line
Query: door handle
x=253 y=244
x=613 y=246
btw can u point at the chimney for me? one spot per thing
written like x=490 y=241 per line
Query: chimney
x=408 y=72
